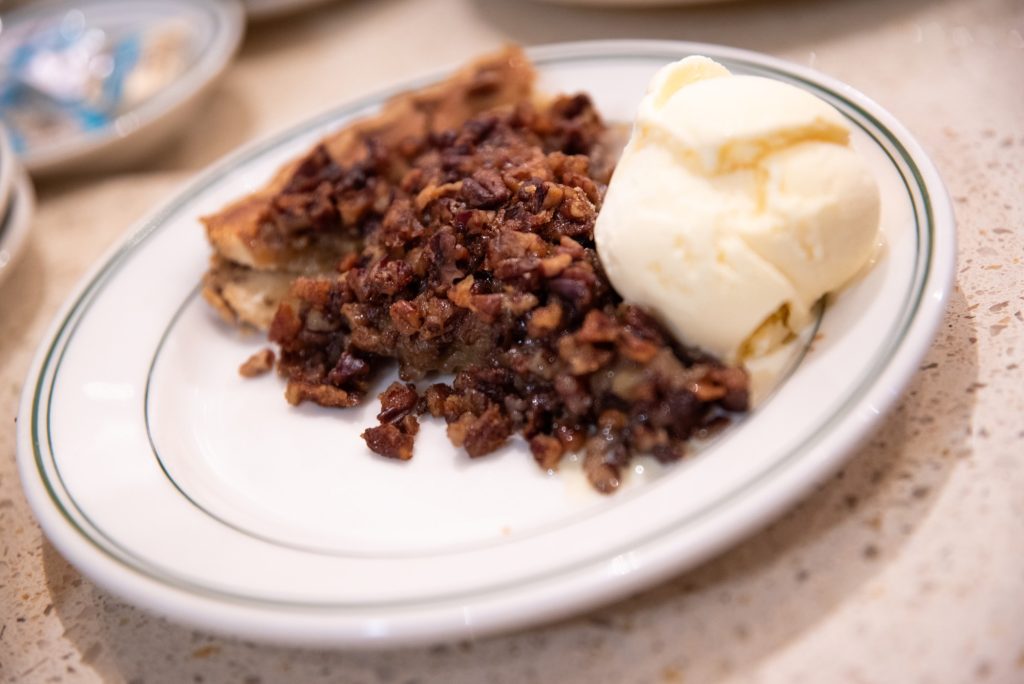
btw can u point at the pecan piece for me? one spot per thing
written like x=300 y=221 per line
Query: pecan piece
x=393 y=440
x=547 y=451
x=258 y=364
x=397 y=401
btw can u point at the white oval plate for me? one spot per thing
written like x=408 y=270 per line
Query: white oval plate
x=169 y=480
x=216 y=30
x=16 y=221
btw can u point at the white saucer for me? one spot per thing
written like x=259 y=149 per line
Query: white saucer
x=215 y=31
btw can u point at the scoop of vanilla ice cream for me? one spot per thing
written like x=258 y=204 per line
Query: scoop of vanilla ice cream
x=736 y=205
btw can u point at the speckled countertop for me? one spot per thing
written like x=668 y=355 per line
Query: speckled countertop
x=908 y=566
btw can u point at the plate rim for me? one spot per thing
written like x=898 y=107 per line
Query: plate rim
x=230 y=18
x=8 y=169
x=773 y=492
x=16 y=220
x=268 y=11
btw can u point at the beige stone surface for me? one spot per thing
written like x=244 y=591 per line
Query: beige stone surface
x=905 y=567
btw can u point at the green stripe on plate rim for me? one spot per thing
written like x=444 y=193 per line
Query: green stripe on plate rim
x=893 y=148
x=619 y=498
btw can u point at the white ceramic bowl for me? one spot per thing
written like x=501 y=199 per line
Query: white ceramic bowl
x=218 y=28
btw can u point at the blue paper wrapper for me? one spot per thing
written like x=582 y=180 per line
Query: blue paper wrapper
x=65 y=78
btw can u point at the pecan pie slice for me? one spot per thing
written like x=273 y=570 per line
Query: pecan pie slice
x=473 y=255
x=314 y=209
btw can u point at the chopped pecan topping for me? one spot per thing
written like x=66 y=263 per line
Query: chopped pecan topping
x=478 y=259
